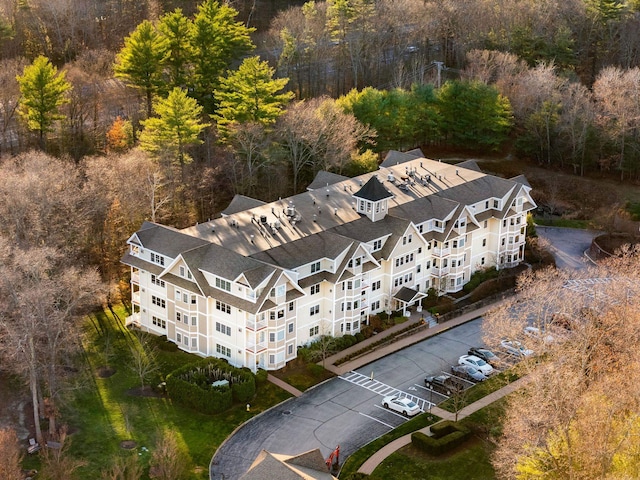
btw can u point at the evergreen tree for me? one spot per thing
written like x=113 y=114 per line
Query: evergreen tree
x=178 y=31
x=141 y=61
x=250 y=95
x=217 y=40
x=42 y=91
x=176 y=127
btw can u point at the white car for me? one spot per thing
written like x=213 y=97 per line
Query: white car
x=516 y=348
x=476 y=362
x=538 y=335
x=401 y=405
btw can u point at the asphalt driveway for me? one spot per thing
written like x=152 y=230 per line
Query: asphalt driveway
x=568 y=245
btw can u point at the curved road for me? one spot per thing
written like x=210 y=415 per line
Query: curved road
x=348 y=413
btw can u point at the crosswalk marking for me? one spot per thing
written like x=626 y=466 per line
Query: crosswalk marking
x=383 y=389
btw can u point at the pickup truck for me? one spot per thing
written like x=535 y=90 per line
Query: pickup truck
x=444 y=384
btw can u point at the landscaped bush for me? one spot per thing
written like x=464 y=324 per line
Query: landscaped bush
x=191 y=385
x=261 y=376
x=437 y=446
x=441 y=429
x=478 y=277
x=163 y=344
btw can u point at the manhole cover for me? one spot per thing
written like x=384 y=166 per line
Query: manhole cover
x=287 y=412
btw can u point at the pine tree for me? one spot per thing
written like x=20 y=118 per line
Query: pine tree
x=176 y=127
x=141 y=61
x=43 y=90
x=250 y=95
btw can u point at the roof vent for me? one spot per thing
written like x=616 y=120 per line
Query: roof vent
x=327 y=192
x=291 y=210
x=263 y=219
x=391 y=178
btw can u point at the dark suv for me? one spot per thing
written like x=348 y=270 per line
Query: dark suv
x=444 y=384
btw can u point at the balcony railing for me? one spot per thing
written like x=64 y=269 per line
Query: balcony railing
x=439 y=272
x=255 y=326
x=441 y=251
x=135 y=277
x=135 y=297
x=133 y=320
x=256 y=347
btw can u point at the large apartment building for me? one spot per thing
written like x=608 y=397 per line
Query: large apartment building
x=265 y=278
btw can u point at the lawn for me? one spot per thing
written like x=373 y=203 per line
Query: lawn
x=470 y=461
x=104 y=413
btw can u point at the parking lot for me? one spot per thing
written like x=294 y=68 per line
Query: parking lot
x=347 y=410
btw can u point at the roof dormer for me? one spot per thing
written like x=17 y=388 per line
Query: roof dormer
x=372 y=199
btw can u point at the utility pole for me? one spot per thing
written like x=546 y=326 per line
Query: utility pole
x=440 y=67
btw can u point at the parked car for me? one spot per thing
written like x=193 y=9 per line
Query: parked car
x=401 y=405
x=444 y=384
x=476 y=362
x=515 y=348
x=468 y=372
x=538 y=334
x=485 y=354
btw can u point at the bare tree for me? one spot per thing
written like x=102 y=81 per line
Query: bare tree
x=10 y=455
x=128 y=468
x=168 y=460
x=144 y=357
x=57 y=464
x=577 y=417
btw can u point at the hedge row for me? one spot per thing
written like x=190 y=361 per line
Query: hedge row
x=191 y=385
x=438 y=445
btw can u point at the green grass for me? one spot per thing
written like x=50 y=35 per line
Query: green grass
x=103 y=414
x=355 y=461
x=470 y=461
x=303 y=376
x=634 y=210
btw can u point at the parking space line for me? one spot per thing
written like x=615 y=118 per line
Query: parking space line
x=376 y=420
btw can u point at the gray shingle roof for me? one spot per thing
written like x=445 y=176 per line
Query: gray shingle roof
x=394 y=157
x=166 y=240
x=373 y=191
x=305 y=250
x=324 y=179
x=240 y=203
x=425 y=208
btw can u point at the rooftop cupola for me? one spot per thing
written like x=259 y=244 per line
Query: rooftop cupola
x=372 y=199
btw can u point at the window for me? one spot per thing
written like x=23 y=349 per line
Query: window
x=428 y=264
x=356 y=324
x=160 y=302
x=290 y=349
x=482 y=261
x=375 y=285
x=182 y=271
x=281 y=290
x=156 y=281
x=455 y=244
x=348 y=326
x=504 y=223
x=194 y=320
x=158 y=322
x=486 y=223
x=178 y=295
x=418 y=268
x=496 y=204
x=502 y=242
x=314 y=331
x=484 y=242
x=486 y=204
x=358 y=261
x=291 y=306
x=193 y=299
x=290 y=327
x=272 y=337
x=377 y=245
x=185 y=297
x=178 y=317
x=314 y=310
x=315 y=267
x=375 y=305
x=222 y=350
x=315 y=289
x=419 y=250
x=194 y=342
x=280 y=335
x=224 y=329
x=178 y=338
x=223 y=284
x=281 y=313
x=159 y=259
x=189 y=275
x=223 y=307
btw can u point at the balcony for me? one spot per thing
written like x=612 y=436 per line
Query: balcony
x=256 y=347
x=441 y=251
x=135 y=298
x=132 y=320
x=135 y=277
x=439 y=272
x=255 y=326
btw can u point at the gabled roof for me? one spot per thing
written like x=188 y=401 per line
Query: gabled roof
x=271 y=466
x=305 y=250
x=478 y=189
x=324 y=179
x=225 y=263
x=425 y=208
x=240 y=203
x=394 y=157
x=166 y=240
x=373 y=191
x=469 y=165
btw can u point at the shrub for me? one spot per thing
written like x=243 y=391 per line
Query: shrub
x=191 y=385
x=438 y=446
x=261 y=376
x=441 y=429
x=315 y=370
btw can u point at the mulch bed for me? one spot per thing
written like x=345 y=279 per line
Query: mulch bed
x=105 y=372
x=128 y=444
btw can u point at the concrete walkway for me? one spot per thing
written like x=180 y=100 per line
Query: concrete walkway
x=377 y=458
x=284 y=385
x=401 y=343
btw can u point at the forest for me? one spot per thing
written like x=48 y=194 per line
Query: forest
x=120 y=111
